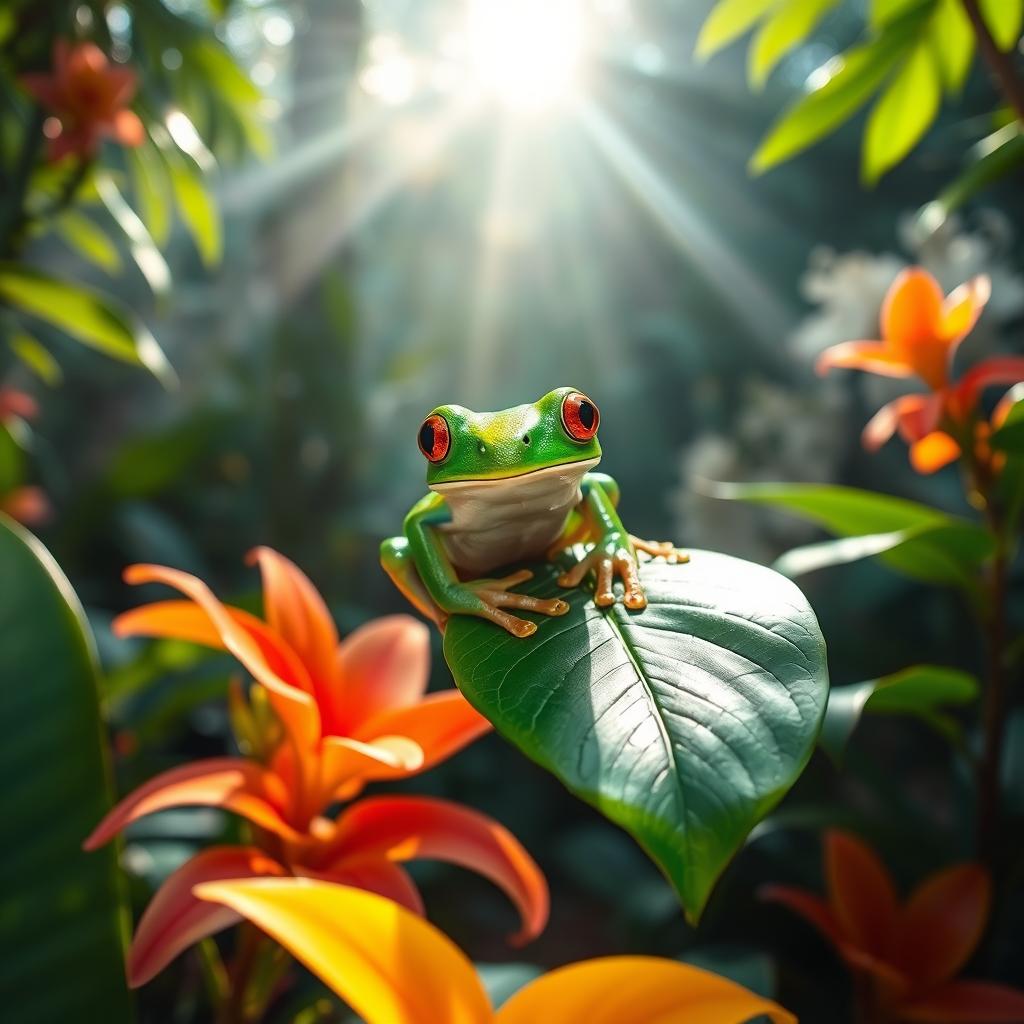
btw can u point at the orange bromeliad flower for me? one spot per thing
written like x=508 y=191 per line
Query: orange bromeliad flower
x=89 y=97
x=921 y=332
x=345 y=713
x=909 y=954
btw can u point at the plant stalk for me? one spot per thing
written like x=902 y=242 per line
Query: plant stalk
x=999 y=63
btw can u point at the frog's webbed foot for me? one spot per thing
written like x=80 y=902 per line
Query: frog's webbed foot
x=660 y=549
x=619 y=561
x=496 y=595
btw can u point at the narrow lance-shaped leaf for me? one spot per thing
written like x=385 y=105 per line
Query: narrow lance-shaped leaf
x=728 y=20
x=952 y=42
x=196 y=206
x=85 y=315
x=89 y=240
x=684 y=723
x=147 y=257
x=36 y=357
x=785 y=29
x=152 y=190
x=922 y=691
x=852 y=79
x=905 y=110
x=1004 y=19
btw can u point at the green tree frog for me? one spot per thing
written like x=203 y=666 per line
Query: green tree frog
x=512 y=486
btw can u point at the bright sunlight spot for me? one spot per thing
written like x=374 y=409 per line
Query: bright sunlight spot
x=526 y=53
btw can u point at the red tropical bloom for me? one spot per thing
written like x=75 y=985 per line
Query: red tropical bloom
x=343 y=713
x=89 y=97
x=907 y=954
x=921 y=332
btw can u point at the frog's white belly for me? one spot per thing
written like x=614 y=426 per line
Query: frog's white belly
x=495 y=522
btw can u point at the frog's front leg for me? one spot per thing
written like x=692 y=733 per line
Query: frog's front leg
x=485 y=598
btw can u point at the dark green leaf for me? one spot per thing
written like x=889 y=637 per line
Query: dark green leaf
x=852 y=79
x=36 y=358
x=196 y=205
x=728 y=20
x=685 y=723
x=1010 y=436
x=903 y=113
x=86 y=315
x=921 y=691
x=910 y=538
x=63 y=922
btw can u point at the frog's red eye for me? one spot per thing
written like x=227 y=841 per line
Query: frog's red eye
x=580 y=416
x=434 y=438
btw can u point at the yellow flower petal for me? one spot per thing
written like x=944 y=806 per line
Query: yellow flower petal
x=390 y=966
x=638 y=989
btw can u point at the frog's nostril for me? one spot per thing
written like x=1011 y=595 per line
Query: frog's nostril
x=526 y=438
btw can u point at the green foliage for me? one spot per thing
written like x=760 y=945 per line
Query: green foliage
x=921 y=692
x=911 y=53
x=1010 y=436
x=685 y=723
x=913 y=539
x=89 y=240
x=36 y=357
x=62 y=926
x=84 y=314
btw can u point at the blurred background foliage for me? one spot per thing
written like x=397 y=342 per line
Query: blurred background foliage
x=340 y=217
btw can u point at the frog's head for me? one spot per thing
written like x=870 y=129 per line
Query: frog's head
x=464 y=446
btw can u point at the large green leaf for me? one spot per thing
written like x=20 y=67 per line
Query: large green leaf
x=1004 y=19
x=86 y=315
x=849 y=81
x=787 y=27
x=685 y=723
x=903 y=113
x=922 y=691
x=728 y=20
x=62 y=923
x=196 y=205
x=914 y=539
x=952 y=40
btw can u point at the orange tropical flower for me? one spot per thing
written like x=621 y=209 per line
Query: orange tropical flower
x=345 y=713
x=921 y=332
x=89 y=97
x=394 y=968
x=909 y=953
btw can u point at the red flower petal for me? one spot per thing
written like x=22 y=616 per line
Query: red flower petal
x=229 y=782
x=860 y=893
x=942 y=923
x=999 y=370
x=128 y=129
x=381 y=666
x=420 y=828
x=913 y=415
x=383 y=877
x=175 y=919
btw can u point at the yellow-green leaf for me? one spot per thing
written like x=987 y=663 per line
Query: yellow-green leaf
x=152 y=190
x=87 y=316
x=196 y=205
x=903 y=113
x=728 y=20
x=952 y=41
x=36 y=358
x=143 y=249
x=1004 y=19
x=786 y=28
x=89 y=240
x=852 y=80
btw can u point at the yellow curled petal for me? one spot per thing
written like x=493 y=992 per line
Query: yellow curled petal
x=637 y=989
x=388 y=964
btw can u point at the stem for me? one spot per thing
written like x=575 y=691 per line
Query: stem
x=999 y=63
x=233 y=1009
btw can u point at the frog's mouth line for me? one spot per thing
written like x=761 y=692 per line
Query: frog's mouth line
x=579 y=468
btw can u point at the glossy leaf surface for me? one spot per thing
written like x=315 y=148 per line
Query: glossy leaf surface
x=684 y=723
x=61 y=931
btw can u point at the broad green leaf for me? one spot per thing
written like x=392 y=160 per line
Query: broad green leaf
x=152 y=189
x=89 y=240
x=63 y=924
x=143 y=249
x=852 y=79
x=1004 y=19
x=86 y=315
x=1010 y=436
x=994 y=158
x=903 y=113
x=914 y=539
x=922 y=691
x=952 y=42
x=196 y=206
x=786 y=28
x=882 y=12
x=36 y=357
x=684 y=723
x=728 y=20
